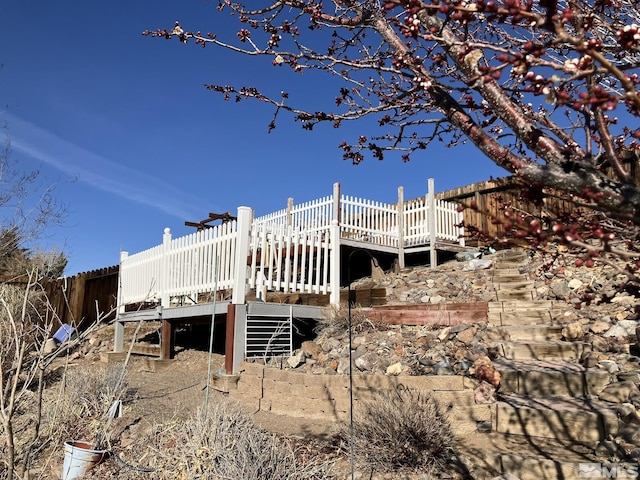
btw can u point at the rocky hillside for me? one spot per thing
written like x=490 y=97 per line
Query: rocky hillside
x=597 y=307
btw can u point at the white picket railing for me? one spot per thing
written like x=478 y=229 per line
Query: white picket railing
x=312 y=216
x=200 y=261
x=369 y=221
x=139 y=276
x=196 y=263
x=296 y=249
x=285 y=259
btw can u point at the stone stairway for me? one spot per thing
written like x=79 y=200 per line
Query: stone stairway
x=547 y=420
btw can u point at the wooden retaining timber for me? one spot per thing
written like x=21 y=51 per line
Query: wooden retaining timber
x=446 y=314
x=365 y=297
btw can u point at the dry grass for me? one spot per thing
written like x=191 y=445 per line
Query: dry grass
x=335 y=322
x=78 y=409
x=223 y=444
x=75 y=409
x=401 y=430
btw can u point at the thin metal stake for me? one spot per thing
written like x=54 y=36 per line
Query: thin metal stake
x=351 y=427
x=213 y=321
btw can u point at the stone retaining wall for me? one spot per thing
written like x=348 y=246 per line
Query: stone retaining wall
x=326 y=397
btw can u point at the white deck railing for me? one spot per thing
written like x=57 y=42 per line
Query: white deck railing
x=196 y=263
x=296 y=249
x=369 y=221
x=285 y=259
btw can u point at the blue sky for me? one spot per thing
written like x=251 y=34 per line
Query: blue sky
x=122 y=124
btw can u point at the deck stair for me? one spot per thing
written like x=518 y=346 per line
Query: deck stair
x=547 y=420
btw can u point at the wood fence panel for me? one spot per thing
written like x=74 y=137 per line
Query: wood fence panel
x=490 y=196
x=72 y=300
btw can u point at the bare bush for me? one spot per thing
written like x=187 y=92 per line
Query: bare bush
x=30 y=426
x=401 y=430
x=22 y=337
x=335 y=322
x=78 y=410
x=13 y=330
x=222 y=443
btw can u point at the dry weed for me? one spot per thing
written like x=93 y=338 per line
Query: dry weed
x=223 y=444
x=78 y=409
x=401 y=430
x=335 y=322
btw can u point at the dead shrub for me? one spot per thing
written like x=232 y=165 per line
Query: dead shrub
x=223 y=444
x=20 y=323
x=335 y=322
x=401 y=430
x=79 y=409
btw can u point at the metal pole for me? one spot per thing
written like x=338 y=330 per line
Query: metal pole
x=213 y=321
x=351 y=428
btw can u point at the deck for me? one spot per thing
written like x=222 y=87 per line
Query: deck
x=215 y=271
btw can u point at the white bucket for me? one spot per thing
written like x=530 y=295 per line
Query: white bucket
x=79 y=458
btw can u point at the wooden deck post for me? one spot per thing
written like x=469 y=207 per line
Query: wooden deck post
x=334 y=238
x=166 y=340
x=118 y=334
x=235 y=339
x=431 y=222
x=401 y=226
x=242 y=252
x=290 y=211
x=336 y=202
x=163 y=281
x=229 y=339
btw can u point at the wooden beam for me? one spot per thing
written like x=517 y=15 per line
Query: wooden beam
x=202 y=224
x=229 y=338
x=225 y=217
x=166 y=340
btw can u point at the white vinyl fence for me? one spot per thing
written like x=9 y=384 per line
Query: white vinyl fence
x=287 y=260
x=296 y=249
x=200 y=262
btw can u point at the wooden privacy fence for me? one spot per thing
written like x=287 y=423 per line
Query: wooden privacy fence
x=77 y=299
x=294 y=250
x=491 y=197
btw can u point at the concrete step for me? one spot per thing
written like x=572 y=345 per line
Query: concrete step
x=543 y=350
x=524 y=295
x=535 y=332
x=514 y=285
x=539 y=378
x=510 y=272
x=488 y=455
x=575 y=419
x=505 y=279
